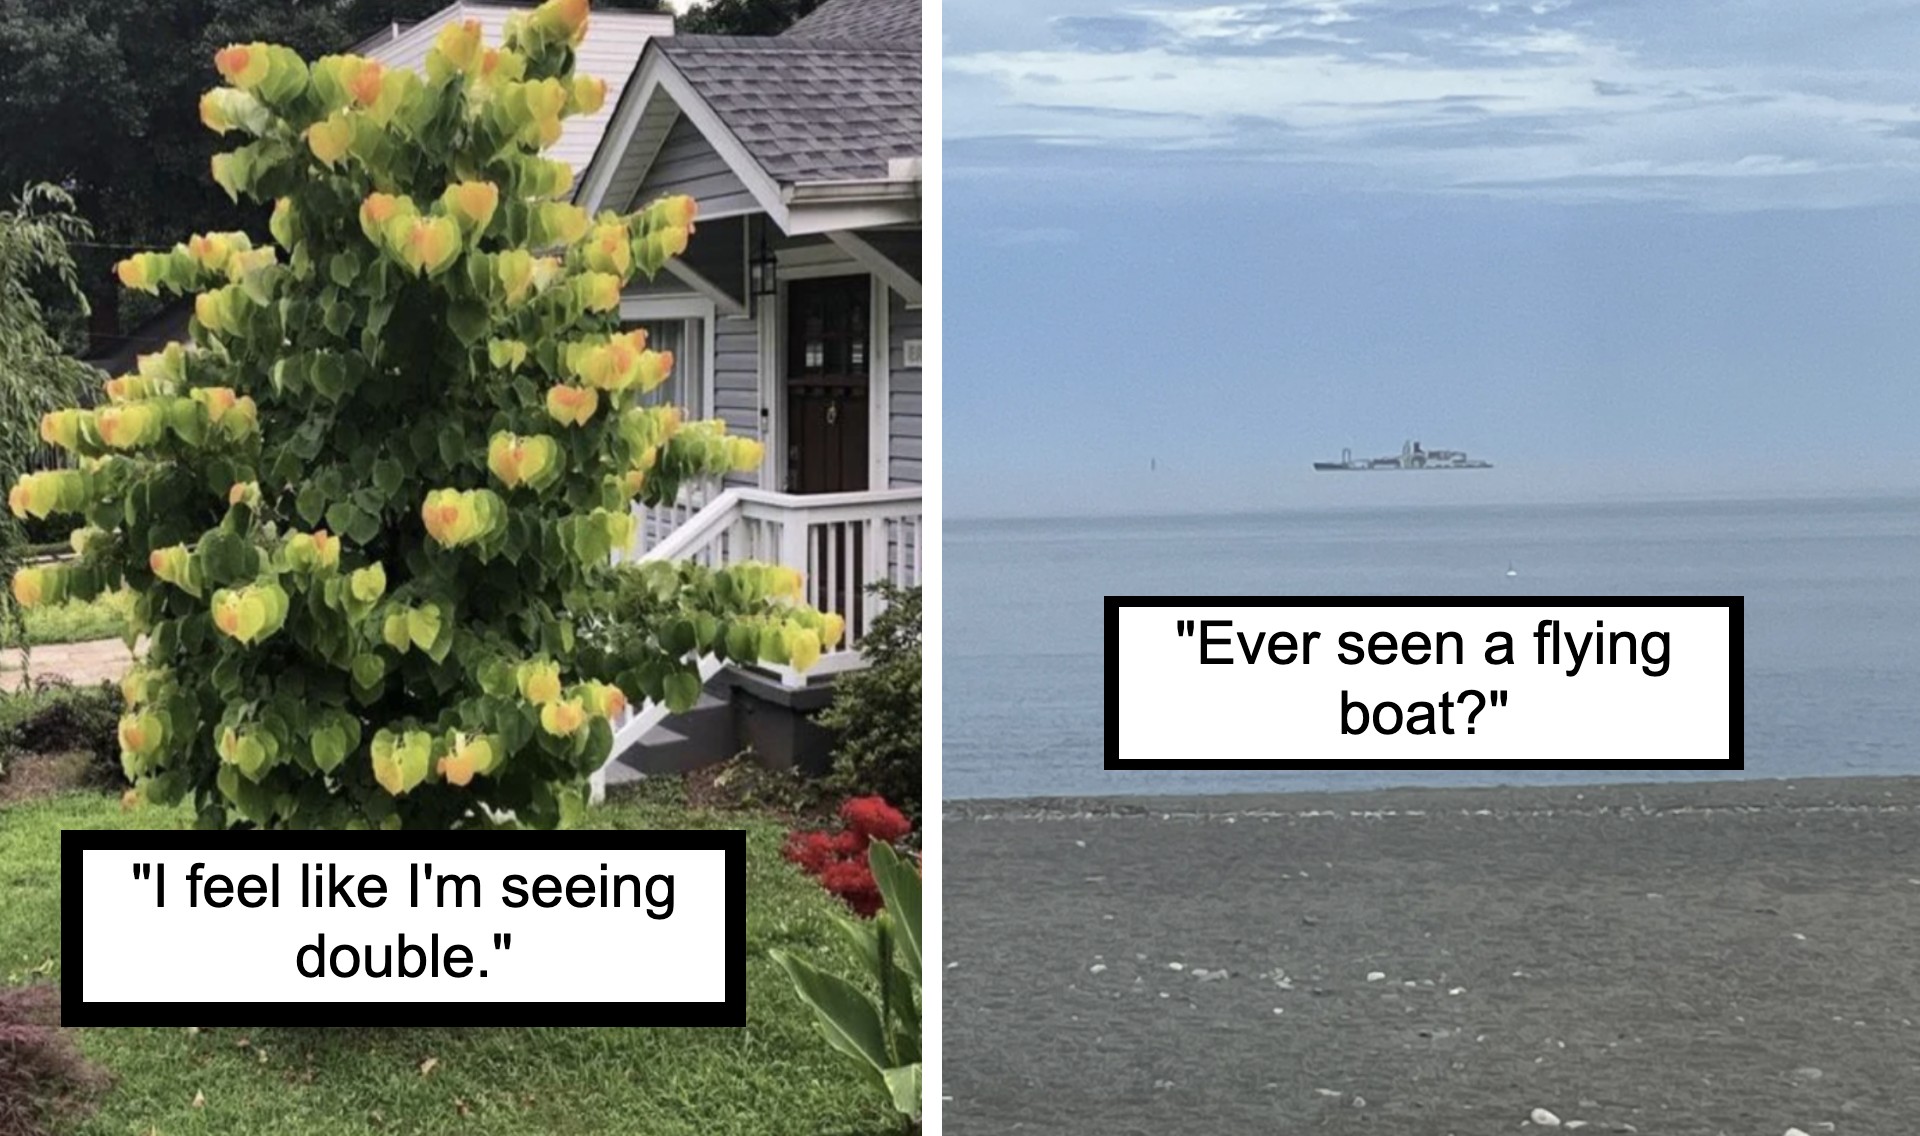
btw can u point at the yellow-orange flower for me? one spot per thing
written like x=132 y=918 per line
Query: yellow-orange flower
x=61 y=428
x=599 y=291
x=572 y=406
x=378 y=210
x=539 y=682
x=744 y=454
x=124 y=427
x=217 y=400
x=603 y=699
x=465 y=758
x=429 y=245
x=363 y=82
x=654 y=368
x=453 y=517
x=30 y=586
x=330 y=138
x=589 y=94
x=136 y=272
x=171 y=564
x=243 y=65
x=459 y=44
x=610 y=249
x=520 y=461
x=563 y=718
x=473 y=202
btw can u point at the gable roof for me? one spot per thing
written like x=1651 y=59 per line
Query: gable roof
x=809 y=109
x=824 y=118
x=875 y=21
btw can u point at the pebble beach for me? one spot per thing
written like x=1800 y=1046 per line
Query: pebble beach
x=1726 y=958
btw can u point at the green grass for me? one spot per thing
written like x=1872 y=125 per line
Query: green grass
x=75 y=622
x=776 y=1076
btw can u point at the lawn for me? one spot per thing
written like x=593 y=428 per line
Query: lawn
x=775 y=1076
x=73 y=622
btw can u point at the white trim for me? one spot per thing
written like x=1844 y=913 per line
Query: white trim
x=879 y=386
x=665 y=307
x=635 y=309
x=614 y=143
x=666 y=131
x=773 y=465
x=720 y=296
x=763 y=188
x=835 y=267
x=896 y=277
x=808 y=220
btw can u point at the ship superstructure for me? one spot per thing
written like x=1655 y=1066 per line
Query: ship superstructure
x=1411 y=456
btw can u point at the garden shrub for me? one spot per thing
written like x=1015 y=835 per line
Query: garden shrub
x=66 y=719
x=40 y=1068
x=368 y=513
x=875 y=713
x=839 y=859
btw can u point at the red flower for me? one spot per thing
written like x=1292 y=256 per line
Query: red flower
x=874 y=817
x=850 y=844
x=853 y=882
x=813 y=851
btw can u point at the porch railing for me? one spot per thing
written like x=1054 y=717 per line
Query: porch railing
x=842 y=543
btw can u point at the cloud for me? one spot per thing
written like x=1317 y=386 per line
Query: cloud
x=1573 y=99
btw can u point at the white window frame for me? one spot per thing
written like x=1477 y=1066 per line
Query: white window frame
x=641 y=309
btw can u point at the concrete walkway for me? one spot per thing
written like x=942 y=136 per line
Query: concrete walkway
x=82 y=664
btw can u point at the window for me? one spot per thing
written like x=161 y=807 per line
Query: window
x=686 y=384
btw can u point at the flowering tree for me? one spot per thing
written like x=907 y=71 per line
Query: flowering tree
x=363 y=512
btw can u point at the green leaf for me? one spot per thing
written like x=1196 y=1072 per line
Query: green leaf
x=468 y=320
x=903 y=1085
x=900 y=889
x=340 y=515
x=388 y=476
x=311 y=504
x=363 y=527
x=344 y=268
x=846 y=1015
x=682 y=691
x=329 y=747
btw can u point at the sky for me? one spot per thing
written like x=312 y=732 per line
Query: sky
x=1619 y=248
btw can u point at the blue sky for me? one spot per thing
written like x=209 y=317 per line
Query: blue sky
x=1618 y=247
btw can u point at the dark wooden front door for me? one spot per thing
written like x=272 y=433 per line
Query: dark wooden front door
x=829 y=332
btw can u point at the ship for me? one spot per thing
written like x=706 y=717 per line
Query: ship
x=1411 y=456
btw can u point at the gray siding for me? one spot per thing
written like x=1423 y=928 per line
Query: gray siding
x=688 y=164
x=903 y=465
x=736 y=383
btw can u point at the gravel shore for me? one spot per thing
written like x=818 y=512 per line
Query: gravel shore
x=1738 y=958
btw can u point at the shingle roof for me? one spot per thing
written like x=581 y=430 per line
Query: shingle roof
x=808 y=109
x=875 y=21
x=819 y=103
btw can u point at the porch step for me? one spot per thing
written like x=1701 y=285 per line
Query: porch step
x=682 y=742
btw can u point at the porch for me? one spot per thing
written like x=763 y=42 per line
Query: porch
x=842 y=543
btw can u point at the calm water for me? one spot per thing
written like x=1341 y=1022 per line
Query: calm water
x=1832 y=627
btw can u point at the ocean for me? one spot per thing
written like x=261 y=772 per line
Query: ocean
x=1832 y=593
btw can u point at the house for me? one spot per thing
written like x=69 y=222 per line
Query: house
x=794 y=315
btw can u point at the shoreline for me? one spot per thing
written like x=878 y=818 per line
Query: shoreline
x=1670 y=957
x=1743 y=793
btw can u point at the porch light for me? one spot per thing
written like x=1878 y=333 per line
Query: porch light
x=765 y=269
